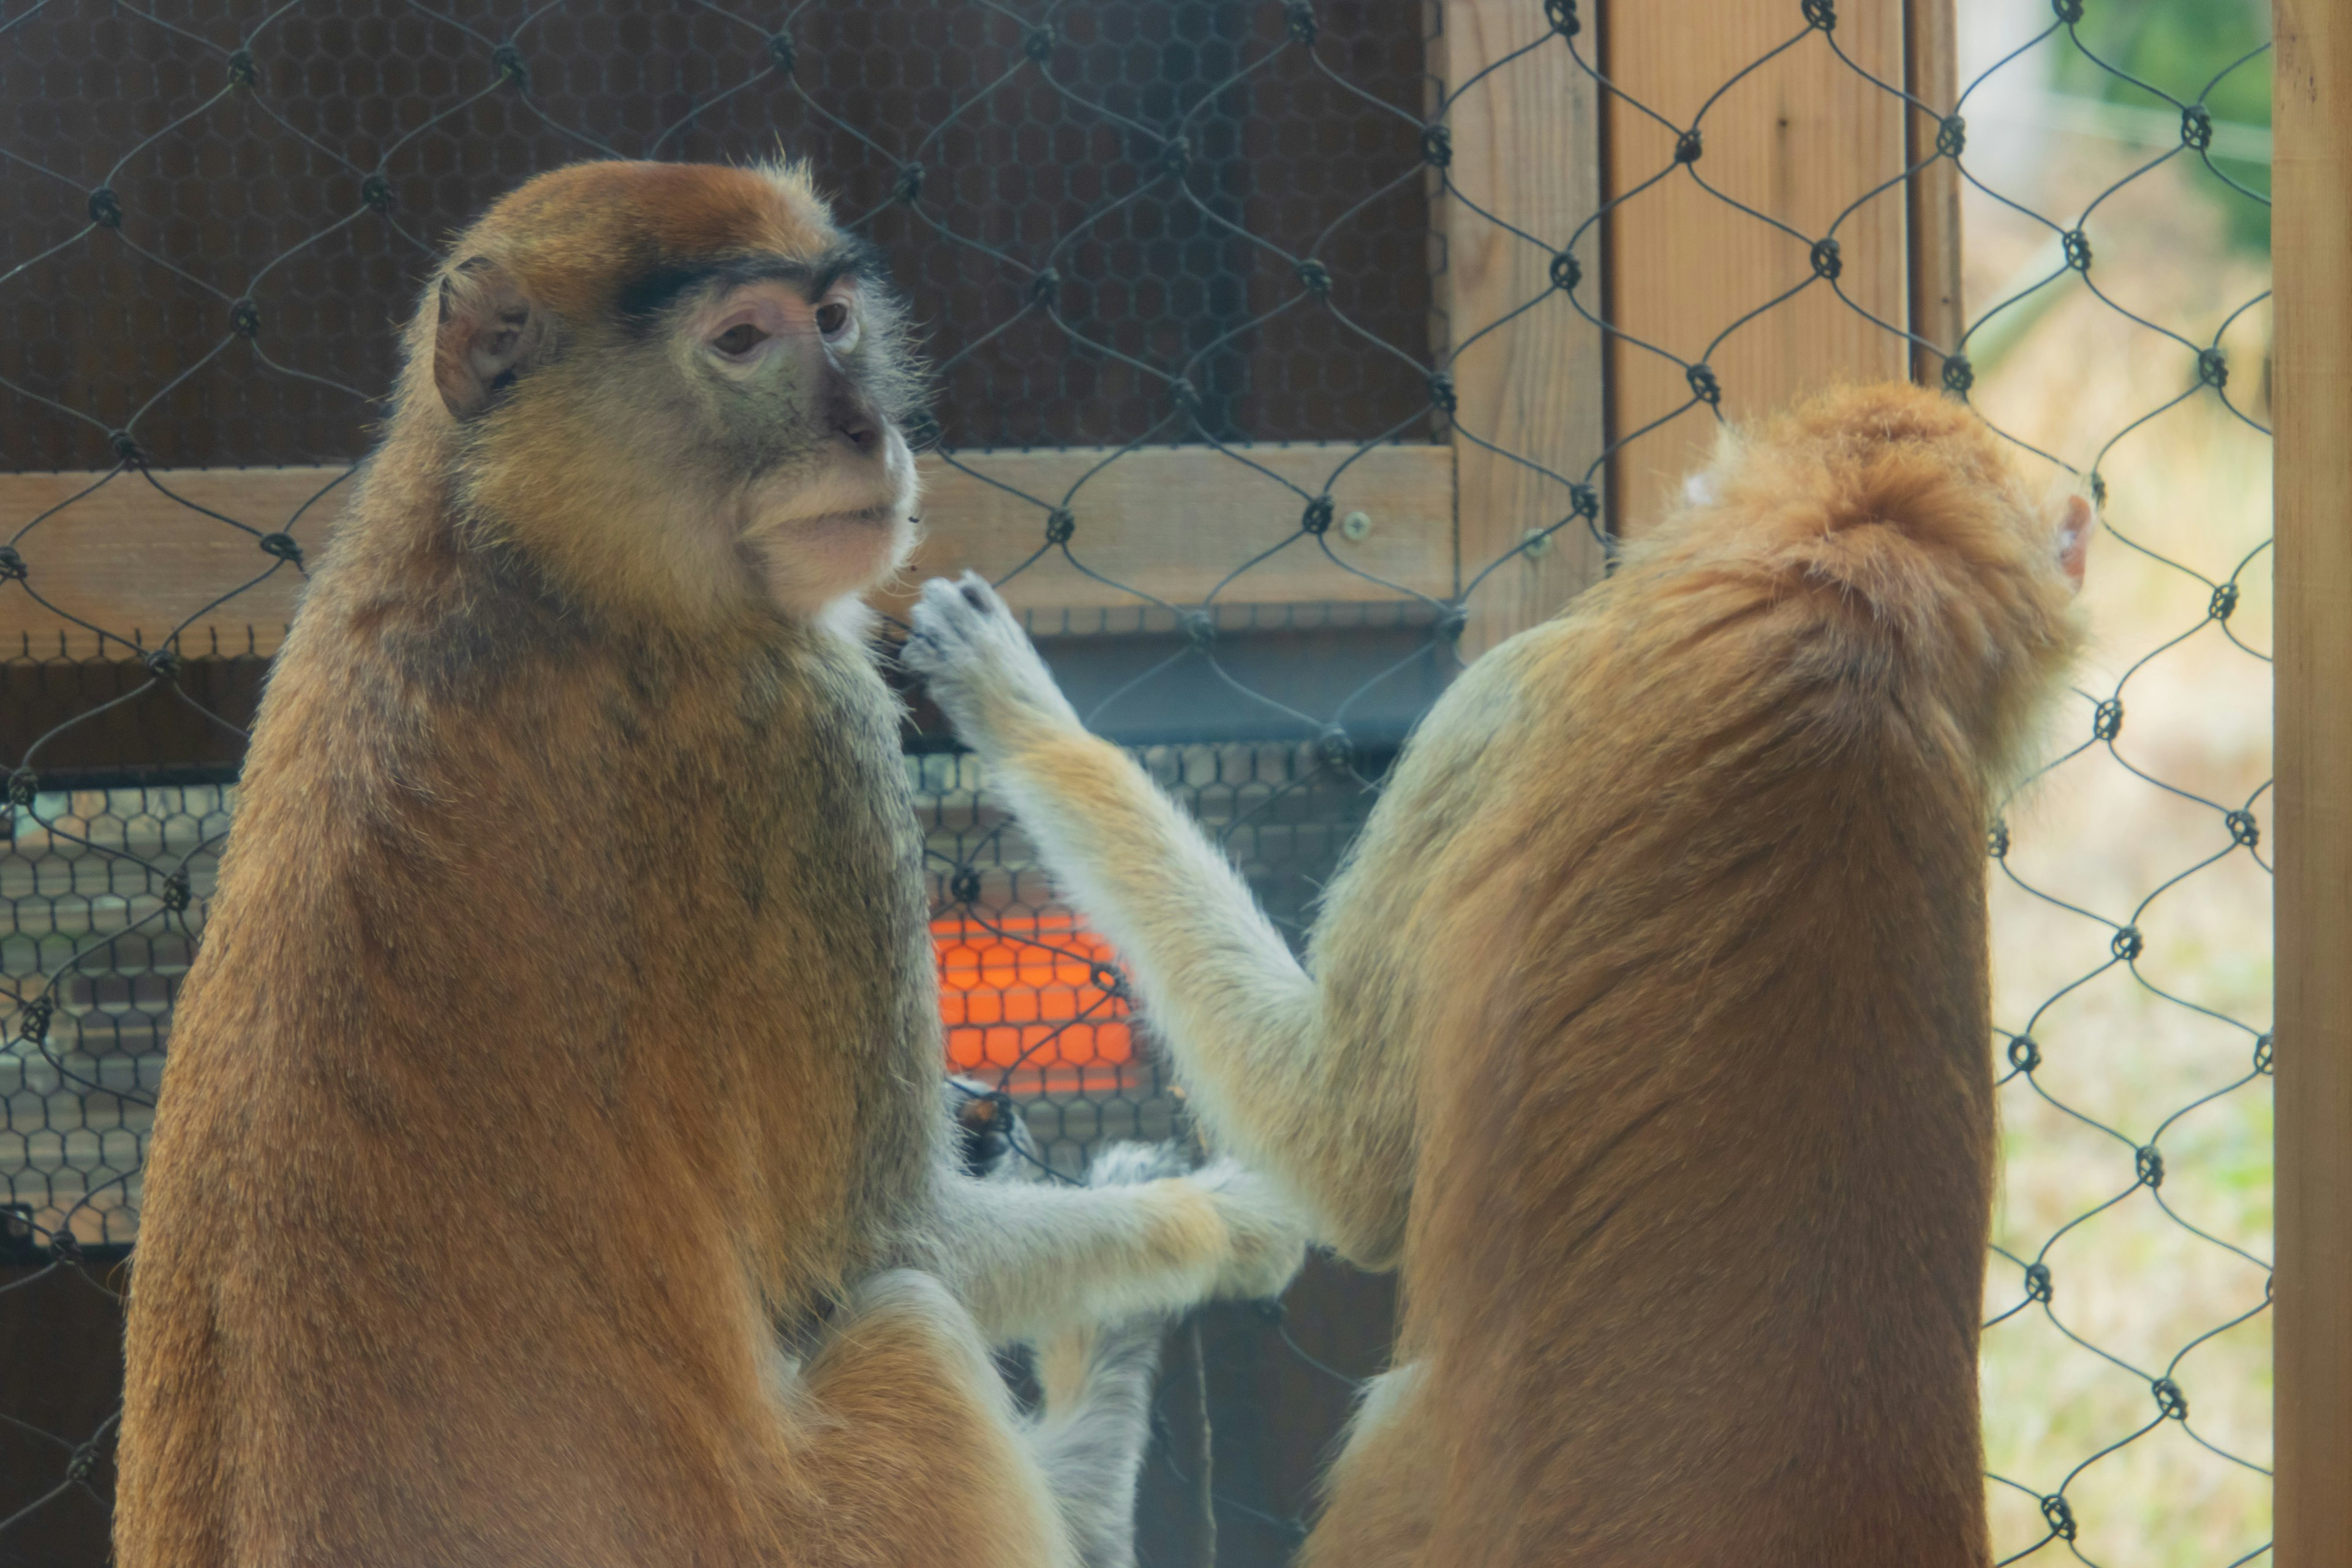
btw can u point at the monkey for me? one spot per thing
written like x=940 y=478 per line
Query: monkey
x=1643 y=1027
x=550 y=1167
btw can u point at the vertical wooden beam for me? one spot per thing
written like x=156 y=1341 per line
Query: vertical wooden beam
x=1801 y=137
x=1931 y=57
x=1525 y=150
x=2311 y=241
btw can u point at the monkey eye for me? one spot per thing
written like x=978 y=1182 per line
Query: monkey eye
x=738 y=341
x=835 y=321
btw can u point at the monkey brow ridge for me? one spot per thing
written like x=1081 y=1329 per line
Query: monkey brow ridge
x=646 y=297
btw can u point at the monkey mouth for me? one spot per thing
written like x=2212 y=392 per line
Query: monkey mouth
x=877 y=518
x=863 y=515
x=824 y=505
x=859 y=494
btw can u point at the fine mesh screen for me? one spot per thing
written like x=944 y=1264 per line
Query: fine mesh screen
x=217 y=214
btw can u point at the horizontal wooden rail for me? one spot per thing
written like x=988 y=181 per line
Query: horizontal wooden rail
x=136 y=557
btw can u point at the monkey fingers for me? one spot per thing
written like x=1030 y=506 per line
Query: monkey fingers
x=981 y=668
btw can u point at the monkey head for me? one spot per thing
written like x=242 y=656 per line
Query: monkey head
x=1904 y=506
x=678 y=388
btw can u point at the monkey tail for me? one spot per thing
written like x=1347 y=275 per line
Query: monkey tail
x=1095 y=1424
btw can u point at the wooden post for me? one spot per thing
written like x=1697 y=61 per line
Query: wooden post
x=1931 y=57
x=1801 y=138
x=2311 y=239
x=1524 y=149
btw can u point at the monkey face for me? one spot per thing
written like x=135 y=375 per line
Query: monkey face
x=682 y=387
x=780 y=363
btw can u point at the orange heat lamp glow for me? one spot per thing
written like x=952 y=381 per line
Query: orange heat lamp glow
x=1024 y=993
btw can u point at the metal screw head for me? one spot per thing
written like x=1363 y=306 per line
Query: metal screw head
x=1356 y=524
x=1535 y=543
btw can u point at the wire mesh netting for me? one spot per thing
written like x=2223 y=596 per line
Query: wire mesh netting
x=1209 y=225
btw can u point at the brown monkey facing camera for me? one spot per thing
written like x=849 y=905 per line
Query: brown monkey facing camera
x=1646 y=1027
x=551 y=1166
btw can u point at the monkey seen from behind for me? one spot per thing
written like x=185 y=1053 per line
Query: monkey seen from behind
x=1645 y=1028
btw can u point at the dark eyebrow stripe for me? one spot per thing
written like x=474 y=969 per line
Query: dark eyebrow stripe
x=850 y=258
x=644 y=297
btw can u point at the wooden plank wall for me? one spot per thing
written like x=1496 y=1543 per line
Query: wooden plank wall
x=1801 y=137
x=2311 y=240
x=135 y=558
x=1525 y=139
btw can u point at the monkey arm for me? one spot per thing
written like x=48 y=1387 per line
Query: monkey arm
x=1315 y=1095
x=1030 y=1259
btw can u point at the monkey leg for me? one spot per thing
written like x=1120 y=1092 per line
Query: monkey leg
x=1030 y=1259
x=1314 y=1095
x=919 y=1460
x=1379 y=1501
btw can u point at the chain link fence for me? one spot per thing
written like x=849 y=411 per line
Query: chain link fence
x=1204 y=224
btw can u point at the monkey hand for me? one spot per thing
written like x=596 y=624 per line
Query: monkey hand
x=981 y=668
x=1266 y=1239
x=1268 y=1234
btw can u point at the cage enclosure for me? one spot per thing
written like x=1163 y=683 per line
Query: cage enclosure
x=1287 y=354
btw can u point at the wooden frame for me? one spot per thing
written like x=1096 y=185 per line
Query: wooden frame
x=2311 y=239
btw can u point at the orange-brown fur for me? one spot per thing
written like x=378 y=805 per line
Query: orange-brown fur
x=563 y=1044
x=1647 y=1026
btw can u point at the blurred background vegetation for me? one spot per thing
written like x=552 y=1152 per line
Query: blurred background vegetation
x=2183 y=246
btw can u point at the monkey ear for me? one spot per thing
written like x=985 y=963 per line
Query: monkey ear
x=490 y=332
x=2074 y=537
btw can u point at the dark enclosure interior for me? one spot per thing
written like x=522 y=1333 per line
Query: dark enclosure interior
x=216 y=219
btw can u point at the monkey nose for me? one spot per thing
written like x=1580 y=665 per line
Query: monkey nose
x=856 y=426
